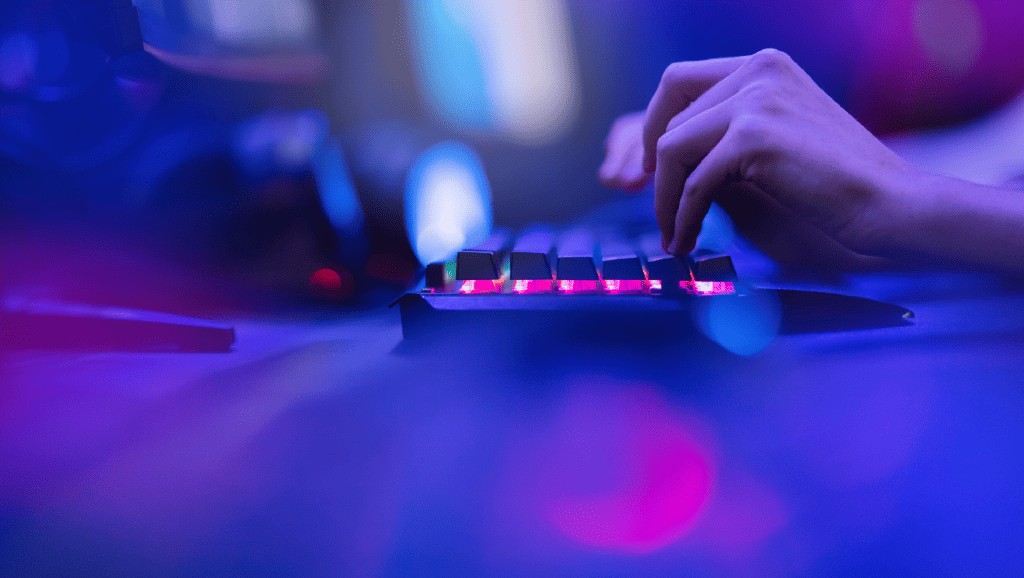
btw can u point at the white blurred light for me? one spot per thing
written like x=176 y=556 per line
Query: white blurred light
x=448 y=202
x=252 y=22
x=529 y=66
x=524 y=61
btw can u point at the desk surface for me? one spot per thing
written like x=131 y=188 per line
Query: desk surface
x=332 y=448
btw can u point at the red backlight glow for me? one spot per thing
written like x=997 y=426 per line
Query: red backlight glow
x=614 y=286
x=476 y=286
x=578 y=286
x=527 y=286
x=708 y=287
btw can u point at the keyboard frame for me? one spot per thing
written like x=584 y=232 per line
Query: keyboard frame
x=444 y=315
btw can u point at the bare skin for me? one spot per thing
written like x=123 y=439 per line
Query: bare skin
x=800 y=176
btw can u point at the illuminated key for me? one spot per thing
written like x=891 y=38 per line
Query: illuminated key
x=530 y=261
x=575 y=270
x=708 y=287
x=621 y=268
x=477 y=286
x=531 y=254
x=664 y=271
x=483 y=262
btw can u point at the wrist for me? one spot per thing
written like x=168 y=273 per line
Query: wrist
x=895 y=205
x=910 y=209
x=945 y=222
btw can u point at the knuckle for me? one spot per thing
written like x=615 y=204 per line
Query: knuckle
x=755 y=91
x=756 y=154
x=754 y=168
x=664 y=146
x=749 y=129
x=677 y=120
x=672 y=73
x=764 y=97
x=770 y=60
x=692 y=188
x=752 y=140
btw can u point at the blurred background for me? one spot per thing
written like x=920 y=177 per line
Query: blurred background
x=233 y=155
x=248 y=159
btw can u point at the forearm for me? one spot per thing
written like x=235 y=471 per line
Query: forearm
x=948 y=222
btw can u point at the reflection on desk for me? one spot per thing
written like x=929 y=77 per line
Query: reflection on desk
x=336 y=449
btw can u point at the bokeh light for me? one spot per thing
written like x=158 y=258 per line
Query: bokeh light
x=743 y=324
x=337 y=192
x=950 y=32
x=448 y=202
x=617 y=468
x=337 y=283
x=501 y=66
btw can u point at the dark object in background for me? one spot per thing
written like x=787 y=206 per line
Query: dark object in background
x=126 y=188
x=269 y=203
x=202 y=216
x=382 y=155
x=113 y=23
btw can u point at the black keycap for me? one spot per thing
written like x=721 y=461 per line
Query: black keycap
x=484 y=260
x=620 y=261
x=435 y=276
x=531 y=254
x=714 y=269
x=576 y=256
x=661 y=266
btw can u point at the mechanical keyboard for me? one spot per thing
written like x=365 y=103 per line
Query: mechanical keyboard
x=592 y=281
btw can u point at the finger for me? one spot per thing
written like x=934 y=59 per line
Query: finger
x=619 y=154
x=713 y=174
x=679 y=152
x=753 y=79
x=633 y=175
x=735 y=84
x=681 y=84
x=623 y=139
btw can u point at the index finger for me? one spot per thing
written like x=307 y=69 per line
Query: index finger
x=680 y=85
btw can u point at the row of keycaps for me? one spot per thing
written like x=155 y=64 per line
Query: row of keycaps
x=576 y=259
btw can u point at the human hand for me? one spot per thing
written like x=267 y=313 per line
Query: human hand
x=756 y=134
x=624 y=150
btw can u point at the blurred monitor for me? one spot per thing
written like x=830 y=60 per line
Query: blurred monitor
x=254 y=40
x=505 y=67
